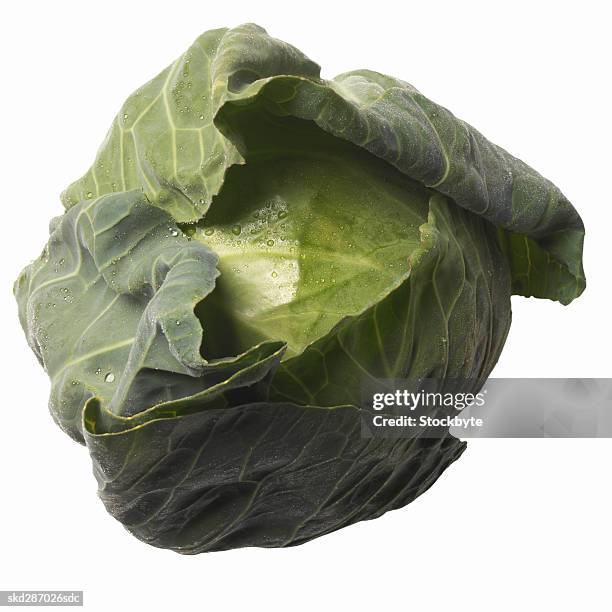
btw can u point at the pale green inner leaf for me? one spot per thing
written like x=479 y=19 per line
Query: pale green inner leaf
x=310 y=230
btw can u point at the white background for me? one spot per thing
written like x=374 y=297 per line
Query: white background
x=515 y=524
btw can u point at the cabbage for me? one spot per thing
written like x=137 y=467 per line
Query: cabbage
x=252 y=245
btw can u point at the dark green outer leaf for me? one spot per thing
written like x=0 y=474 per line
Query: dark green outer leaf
x=257 y=475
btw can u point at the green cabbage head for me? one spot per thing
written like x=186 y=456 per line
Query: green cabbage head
x=252 y=245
